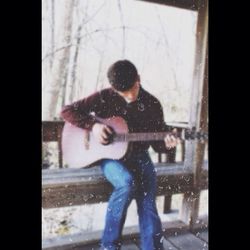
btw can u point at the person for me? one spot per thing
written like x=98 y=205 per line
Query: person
x=134 y=176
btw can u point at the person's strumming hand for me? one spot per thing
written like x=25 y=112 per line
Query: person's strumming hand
x=102 y=133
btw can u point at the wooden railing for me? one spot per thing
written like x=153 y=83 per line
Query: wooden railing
x=66 y=187
x=69 y=187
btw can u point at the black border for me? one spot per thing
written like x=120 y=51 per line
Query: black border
x=21 y=119
x=227 y=125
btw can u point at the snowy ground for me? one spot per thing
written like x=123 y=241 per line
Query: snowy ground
x=75 y=219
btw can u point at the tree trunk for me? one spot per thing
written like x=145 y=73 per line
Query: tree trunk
x=59 y=63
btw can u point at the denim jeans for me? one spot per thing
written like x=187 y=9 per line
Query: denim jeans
x=135 y=178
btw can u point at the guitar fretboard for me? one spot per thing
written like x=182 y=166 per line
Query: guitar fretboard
x=141 y=136
x=158 y=136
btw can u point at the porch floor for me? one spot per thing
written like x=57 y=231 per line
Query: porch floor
x=197 y=240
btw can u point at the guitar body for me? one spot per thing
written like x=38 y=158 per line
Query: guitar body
x=80 y=148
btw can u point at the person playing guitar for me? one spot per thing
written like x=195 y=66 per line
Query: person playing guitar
x=133 y=176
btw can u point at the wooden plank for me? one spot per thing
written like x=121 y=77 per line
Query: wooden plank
x=200 y=230
x=54 y=173
x=90 y=239
x=75 y=190
x=203 y=235
x=69 y=174
x=126 y=246
x=168 y=245
x=183 y=4
x=187 y=241
x=129 y=247
x=68 y=187
x=184 y=241
x=178 y=124
x=88 y=247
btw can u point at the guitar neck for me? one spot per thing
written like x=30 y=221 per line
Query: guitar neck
x=159 y=136
x=130 y=137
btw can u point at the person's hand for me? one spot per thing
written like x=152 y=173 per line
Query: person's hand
x=102 y=133
x=171 y=140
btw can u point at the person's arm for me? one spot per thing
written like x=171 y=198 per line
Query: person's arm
x=78 y=113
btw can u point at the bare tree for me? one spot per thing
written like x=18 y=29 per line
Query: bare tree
x=167 y=47
x=123 y=28
x=75 y=58
x=52 y=30
x=60 y=60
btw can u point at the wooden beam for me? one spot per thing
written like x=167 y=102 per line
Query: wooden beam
x=183 y=4
x=188 y=241
x=69 y=187
x=198 y=80
x=194 y=154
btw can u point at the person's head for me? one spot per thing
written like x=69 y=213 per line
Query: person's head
x=124 y=79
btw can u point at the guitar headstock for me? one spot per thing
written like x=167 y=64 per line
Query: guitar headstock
x=192 y=134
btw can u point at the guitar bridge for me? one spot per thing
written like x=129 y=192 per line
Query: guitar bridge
x=86 y=140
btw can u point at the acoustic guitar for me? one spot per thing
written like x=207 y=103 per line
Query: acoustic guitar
x=81 y=149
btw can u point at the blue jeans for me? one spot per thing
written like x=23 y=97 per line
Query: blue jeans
x=135 y=178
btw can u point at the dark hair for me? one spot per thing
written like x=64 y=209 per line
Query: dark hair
x=122 y=75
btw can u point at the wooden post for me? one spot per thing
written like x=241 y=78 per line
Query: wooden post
x=194 y=151
x=60 y=156
x=171 y=155
x=52 y=132
x=167 y=204
x=159 y=158
x=183 y=151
